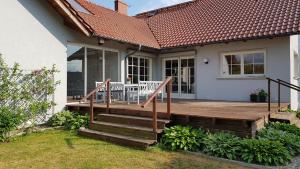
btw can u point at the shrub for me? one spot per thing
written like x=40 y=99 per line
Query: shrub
x=8 y=122
x=76 y=122
x=285 y=127
x=290 y=141
x=222 y=145
x=71 y=121
x=264 y=152
x=298 y=114
x=183 y=138
x=61 y=118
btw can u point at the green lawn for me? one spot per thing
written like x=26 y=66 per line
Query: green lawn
x=62 y=149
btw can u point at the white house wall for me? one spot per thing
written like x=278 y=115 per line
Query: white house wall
x=211 y=86
x=294 y=78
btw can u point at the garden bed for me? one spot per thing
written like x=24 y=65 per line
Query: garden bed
x=276 y=145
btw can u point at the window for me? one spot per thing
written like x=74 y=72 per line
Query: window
x=243 y=63
x=138 y=69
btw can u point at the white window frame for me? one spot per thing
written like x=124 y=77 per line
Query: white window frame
x=140 y=57
x=242 y=54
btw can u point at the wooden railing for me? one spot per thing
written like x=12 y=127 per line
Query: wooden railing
x=153 y=97
x=279 y=83
x=92 y=94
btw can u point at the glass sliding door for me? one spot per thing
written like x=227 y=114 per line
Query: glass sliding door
x=75 y=72
x=171 y=70
x=94 y=68
x=187 y=76
x=88 y=65
x=182 y=71
x=112 y=66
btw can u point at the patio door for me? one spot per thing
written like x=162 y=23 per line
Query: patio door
x=182 y=71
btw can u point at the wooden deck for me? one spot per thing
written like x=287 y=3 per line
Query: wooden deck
x=241 y=118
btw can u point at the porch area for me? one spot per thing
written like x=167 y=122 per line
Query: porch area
x=241 y=118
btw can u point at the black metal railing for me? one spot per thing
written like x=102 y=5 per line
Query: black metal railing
x=279 y=83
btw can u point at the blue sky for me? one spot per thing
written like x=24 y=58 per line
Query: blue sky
x=138 y=6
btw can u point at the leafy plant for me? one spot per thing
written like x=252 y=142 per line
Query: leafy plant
x=262 y=93
x=289 y=140
x=61 y=118
x=264 y=152
x=76 y=122
x=285 y=127
x=24 y=96
x=222 y=145
x=8 y=122
x=183 y=138
x=70 y=120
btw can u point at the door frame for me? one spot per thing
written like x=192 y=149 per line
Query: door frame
x=179 y=95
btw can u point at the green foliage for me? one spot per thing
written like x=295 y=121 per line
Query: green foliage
x=183 y=138
x=289 y=140
x=222 y=145
x=285 y=127
x=298 y=114
x=264 y=152
x=76 y=122
x=71 y=121
x=61 y=118
x=8 y=122
x=262 y=93
x=25 y=95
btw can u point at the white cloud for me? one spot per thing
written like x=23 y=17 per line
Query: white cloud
x=154 y=4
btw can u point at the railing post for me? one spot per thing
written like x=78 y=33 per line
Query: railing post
x=269 y=95
x=279 y=97
x=107 y=96
x=154 y=116
x=169 y=89
x=92 y=108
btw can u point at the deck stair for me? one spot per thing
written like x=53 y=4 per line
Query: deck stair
x=287 y=117
x=129 y=128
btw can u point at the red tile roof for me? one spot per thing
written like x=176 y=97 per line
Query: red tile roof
x=199 y=22
x=109 y=24
x=202 y=22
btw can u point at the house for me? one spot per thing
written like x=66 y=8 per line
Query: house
x=213 y=49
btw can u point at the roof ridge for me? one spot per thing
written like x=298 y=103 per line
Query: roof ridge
x=163 y=9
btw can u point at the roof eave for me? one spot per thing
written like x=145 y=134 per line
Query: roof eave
x=72 y=15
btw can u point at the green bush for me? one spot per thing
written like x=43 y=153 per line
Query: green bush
x=298 y=114
x=183 y=138
x=61 y=118
x=289 y=140
x=223 y=145
x=264 y=152
x=8 y=121
x=76 y=122
x=285 y=127
x=70 y=120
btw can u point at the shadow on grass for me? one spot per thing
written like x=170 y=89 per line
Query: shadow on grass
x=69 y=143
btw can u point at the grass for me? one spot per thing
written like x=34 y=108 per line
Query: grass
x=62 y=149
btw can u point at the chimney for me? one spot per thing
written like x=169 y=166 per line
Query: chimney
x=121 y=7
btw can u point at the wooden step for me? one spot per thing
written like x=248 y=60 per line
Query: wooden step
x=117 y=139
x=138 y=113
x=126 y=130
x=132 y=120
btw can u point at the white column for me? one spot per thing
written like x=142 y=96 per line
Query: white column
x=85 y=71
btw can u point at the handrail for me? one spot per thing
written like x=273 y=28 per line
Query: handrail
x=294 y=86
x=91 y=95
x=94 y=91
x=153 y=96
x=279 y=82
